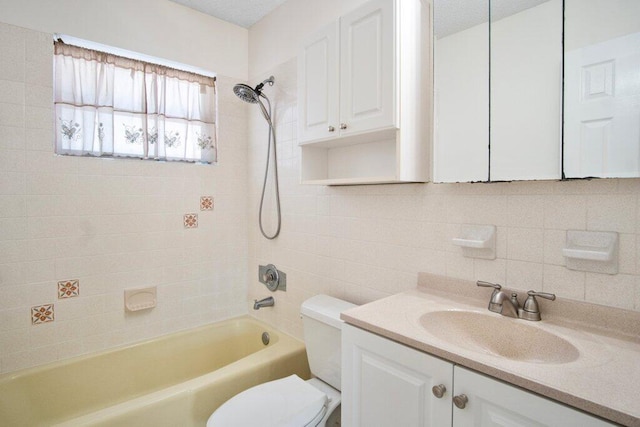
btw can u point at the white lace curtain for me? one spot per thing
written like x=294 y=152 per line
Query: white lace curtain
x=107 y=105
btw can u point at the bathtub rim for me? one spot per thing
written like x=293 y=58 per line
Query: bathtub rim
x=273 y=332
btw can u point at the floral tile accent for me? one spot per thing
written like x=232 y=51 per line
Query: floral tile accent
x=191 y=220
x=206 y=203
x=68 y=288
x=42 y=314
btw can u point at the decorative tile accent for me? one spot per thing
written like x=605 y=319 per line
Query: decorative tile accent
x=206 y=203
x=42 y=314
x=68 y=288
x=191 y=220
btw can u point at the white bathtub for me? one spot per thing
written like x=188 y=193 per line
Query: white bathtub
x=176 y=380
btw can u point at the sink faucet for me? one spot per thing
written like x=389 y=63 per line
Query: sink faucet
x=501 y=303
x=265 y=302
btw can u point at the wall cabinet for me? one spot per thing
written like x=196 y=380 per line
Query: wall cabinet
x=364 y=96
x=388 y=384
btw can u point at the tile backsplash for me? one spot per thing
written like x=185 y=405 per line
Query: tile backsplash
x=107 y=225
x=361 y=243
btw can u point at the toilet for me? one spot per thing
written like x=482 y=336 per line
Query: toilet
x=291 y=401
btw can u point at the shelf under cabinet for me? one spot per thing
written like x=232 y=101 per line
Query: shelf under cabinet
x=372 y=158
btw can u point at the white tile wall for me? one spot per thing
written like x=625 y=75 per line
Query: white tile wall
x=365 y=242
x=113 y=224
x=116 y=224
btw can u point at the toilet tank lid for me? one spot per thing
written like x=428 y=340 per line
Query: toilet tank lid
x=324 y=308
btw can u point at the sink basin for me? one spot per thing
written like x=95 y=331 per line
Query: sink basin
x=499 y=336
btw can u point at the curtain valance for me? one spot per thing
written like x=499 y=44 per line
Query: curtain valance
x=108 y=105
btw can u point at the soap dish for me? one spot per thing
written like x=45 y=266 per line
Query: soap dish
x=140 y=299
x=477 y=241
x=594 y=251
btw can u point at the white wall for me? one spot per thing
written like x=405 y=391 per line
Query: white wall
x=593 y=21
x=155 y=27
x=365 y=242
x=113 y=224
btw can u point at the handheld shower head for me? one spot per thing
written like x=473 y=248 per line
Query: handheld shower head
x=249 y=94
x=246 y=93
x=252 y=96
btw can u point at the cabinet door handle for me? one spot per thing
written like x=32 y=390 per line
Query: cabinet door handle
x=439 y=390
x=343 y=126
x=331 y=129
x=460 y=400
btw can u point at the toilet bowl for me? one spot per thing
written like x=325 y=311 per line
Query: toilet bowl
x=291 y=401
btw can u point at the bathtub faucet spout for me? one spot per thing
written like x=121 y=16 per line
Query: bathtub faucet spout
x=265 y=302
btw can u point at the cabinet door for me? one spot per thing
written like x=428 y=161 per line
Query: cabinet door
x=387 y=384
x=461 y=62
x=526 y=91
x=493 y=403
x=318 y=85
x=602 y=109
x=368 y=68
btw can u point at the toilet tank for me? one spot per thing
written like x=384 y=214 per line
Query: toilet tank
x=322 y=329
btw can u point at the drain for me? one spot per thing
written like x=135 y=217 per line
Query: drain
x=265 y=338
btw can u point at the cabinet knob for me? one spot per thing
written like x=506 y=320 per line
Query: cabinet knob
x=331 y=129
x=343 y=126
x=460 y=400
x=439 y=390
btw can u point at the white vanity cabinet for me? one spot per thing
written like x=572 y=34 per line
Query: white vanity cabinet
x=388 y=384
x=385 y=383
x=364 y=96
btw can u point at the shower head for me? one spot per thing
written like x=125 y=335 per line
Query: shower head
x=246 y=93
x=249 y=94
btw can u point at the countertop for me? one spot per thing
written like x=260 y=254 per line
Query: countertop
x=603 y=380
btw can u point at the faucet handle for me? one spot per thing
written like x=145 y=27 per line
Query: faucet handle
x=530 y=309
x=488 y=285
x=544 y=295
x=494 y=304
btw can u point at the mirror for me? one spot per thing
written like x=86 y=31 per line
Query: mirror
x=461 y=83
x=602 y=89
x=526 y=89
x=498 y=90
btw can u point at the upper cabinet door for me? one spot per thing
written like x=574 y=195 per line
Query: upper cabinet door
x=602 y=89
x=318 y=70
x=461 y=62
x=526 y=91
x=368 y=68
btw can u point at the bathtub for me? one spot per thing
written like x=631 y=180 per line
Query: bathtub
x=175 y=380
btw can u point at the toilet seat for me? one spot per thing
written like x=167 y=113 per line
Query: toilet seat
x=287 y=402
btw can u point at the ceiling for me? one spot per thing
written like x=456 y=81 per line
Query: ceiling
x=244 y=13
x=451 y=16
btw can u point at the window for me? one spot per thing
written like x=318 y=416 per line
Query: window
x=109 y=105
